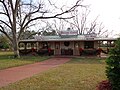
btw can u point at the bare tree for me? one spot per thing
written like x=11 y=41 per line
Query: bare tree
x=97 y=28
x=17 y=15
x=80 y=22
x=93 y=26
x=80 y=19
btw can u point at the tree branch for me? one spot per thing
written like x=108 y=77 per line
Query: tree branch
x=3 y=31
x=11 y=4
x=30 y=13
x=7 y=13
x=17 y=4
x=3 y=13
x=6 y=24
x=23 y=25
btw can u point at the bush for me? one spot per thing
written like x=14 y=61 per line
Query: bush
x=113 y=66
x=104 y=85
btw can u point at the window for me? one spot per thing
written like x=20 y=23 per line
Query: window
x=44 y=45
x=88 y=44
x=66 y=44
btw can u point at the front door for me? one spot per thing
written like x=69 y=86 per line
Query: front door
x=67 y=48
x=57 y=48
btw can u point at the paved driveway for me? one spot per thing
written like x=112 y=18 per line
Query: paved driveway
x=12 y=75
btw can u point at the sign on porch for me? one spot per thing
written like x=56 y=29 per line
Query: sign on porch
x=90 y=36
x=71 y=32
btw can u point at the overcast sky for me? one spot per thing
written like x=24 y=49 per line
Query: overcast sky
x=109 y=13
x=107 y=10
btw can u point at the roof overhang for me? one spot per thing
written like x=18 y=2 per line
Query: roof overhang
x=68 y=39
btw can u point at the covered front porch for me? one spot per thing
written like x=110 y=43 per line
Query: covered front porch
x=75 y=48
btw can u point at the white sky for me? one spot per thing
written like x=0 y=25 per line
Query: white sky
x=108 y=11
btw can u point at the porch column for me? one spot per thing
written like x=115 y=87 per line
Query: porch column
x=25 y=48
x=76 y=48
x=32 y=45
x=108 y=46
x=99 y=42
x=37 y=46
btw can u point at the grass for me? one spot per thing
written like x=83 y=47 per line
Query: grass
x=7 y=60
x=78 y=74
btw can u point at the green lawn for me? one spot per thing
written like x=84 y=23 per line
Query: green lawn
x=78 y=74
x=7 y=60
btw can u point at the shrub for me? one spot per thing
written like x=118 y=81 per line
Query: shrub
x=104 y=85
x=113 y=66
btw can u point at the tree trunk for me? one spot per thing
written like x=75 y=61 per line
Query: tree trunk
x=14 y=31
x=16 y=49
x=16 y=53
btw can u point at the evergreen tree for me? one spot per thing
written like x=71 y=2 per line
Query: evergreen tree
x=113 y=66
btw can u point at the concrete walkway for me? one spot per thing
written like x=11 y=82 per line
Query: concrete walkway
x=12 y=75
